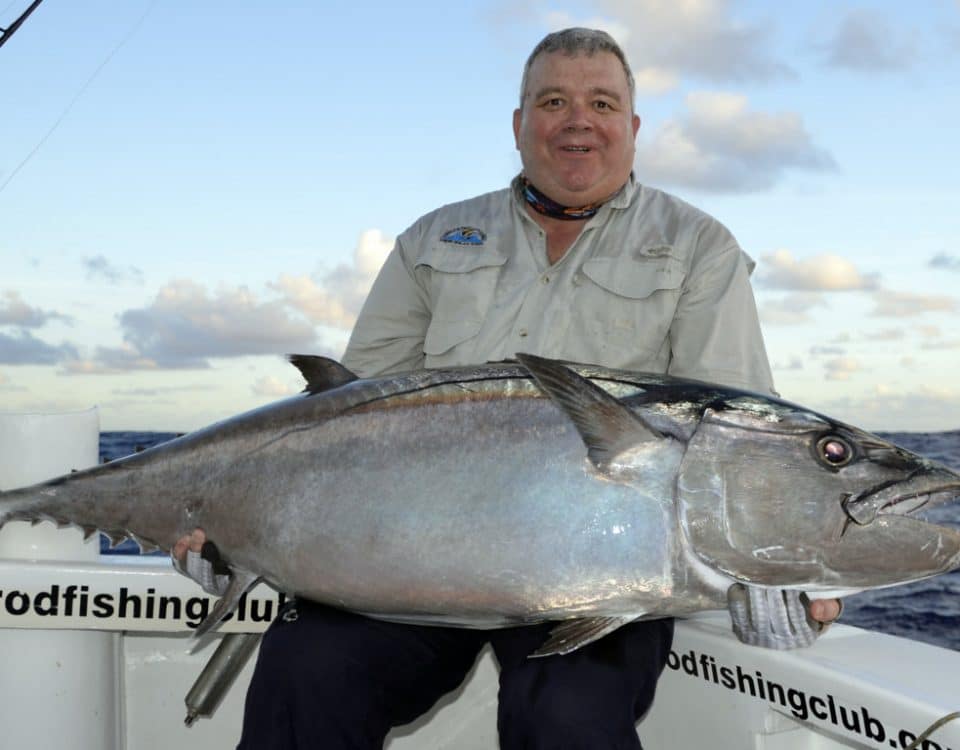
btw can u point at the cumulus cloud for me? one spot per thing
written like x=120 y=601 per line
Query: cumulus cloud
x=866 y=42
x=821 y=351
x=185 y=325
x=945 y=262
x=795 y=363
x=15 y=312
x=888 y=334
x=894 y=408
x=720 y=144
x=272 y=387
x=793 y=309
x=335 y=298
x=888 y=303
x=666 y=41
x=98 y=267
x=941 y=344
x=841 y=368
x=25 y=349
x=822 y=273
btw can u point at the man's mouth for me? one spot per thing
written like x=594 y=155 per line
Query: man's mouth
x=576 y=149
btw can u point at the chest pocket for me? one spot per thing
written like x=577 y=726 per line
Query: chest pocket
x=462 y=281
x=628 y=304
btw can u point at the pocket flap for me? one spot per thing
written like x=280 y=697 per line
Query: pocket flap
x=453 y=258
x=632 y=278
x=443 y=335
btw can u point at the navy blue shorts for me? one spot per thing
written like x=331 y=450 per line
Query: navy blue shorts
x=334 y=679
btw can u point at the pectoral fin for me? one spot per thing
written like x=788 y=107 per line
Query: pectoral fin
x=240 y=583
x=570 y=635
x=607 y=427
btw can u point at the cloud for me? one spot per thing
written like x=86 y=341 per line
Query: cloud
x=15 y=312
x=25 y=349
x=98 y=267
x=820 y=351
x=272 y=387
x=795 y=363
x=864 y=41
x=186 y=325
x=841 y=368
x=890 y=408
x=336 y=297
x=888 y=334
x=822 y=273
x=939 y=345
x=791 y=310
x=945 y=262
x=719 y=144
x=905 y=304
x=666 y=41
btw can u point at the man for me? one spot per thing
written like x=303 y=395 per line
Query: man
x=574 y=260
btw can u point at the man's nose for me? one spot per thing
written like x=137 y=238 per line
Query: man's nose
x=579 y=117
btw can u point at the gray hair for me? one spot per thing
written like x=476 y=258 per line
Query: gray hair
x=575 y=41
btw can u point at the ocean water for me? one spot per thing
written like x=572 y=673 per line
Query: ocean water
x=925 y=611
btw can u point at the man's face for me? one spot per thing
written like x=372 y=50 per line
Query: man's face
x=576 y=129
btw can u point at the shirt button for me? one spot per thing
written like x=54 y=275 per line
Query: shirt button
x=523 y=333
x=545 y=279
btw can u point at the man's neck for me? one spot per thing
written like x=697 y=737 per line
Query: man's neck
x=561 y=233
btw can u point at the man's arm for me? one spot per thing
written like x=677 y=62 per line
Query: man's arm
x=389 y=333
x=715 y=334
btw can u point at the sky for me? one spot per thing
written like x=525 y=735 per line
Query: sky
x=191 y=190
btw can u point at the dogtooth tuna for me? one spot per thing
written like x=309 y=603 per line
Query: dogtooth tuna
x=525 y=491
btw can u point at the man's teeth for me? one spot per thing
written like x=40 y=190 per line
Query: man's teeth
x=582 y=149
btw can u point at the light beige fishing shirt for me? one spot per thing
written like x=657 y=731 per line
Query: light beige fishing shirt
x=650 y=284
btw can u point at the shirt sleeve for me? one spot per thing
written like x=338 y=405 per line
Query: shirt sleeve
x=715 y=334
x=390 y=330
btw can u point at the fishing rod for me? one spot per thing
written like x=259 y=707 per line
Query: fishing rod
x=5 y=34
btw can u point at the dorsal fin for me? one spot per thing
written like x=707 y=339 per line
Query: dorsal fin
x=607 y=427
x=321 y=373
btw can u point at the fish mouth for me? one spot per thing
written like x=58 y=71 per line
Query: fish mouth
x=921 y=490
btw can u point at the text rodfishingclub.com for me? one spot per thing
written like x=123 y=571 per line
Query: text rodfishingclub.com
x=801 y=704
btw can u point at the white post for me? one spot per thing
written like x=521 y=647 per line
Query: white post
x=58 y=688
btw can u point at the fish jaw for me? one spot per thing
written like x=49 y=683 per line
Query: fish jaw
x=933 y=485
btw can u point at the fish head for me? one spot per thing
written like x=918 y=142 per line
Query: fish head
x=772 y=494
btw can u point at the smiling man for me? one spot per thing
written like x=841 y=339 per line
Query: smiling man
x=574 y=260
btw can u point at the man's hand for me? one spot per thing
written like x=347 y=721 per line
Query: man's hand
x=188 y=559
x=192 y=542
x=778 y=618
x=825 y=611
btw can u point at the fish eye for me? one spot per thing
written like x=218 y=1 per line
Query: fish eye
x=834 y=451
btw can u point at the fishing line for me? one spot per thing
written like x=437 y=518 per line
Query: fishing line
x=933 y=728
x=80 y=93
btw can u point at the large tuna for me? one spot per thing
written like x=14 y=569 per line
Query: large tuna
x=515 y=493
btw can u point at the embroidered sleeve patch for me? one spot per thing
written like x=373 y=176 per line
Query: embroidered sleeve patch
x=464 y=236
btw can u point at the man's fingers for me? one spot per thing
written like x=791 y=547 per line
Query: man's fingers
x=194 y=541
x=825 y=610
x=197 y=538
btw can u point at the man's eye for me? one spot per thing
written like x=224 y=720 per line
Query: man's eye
x=602 y=105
